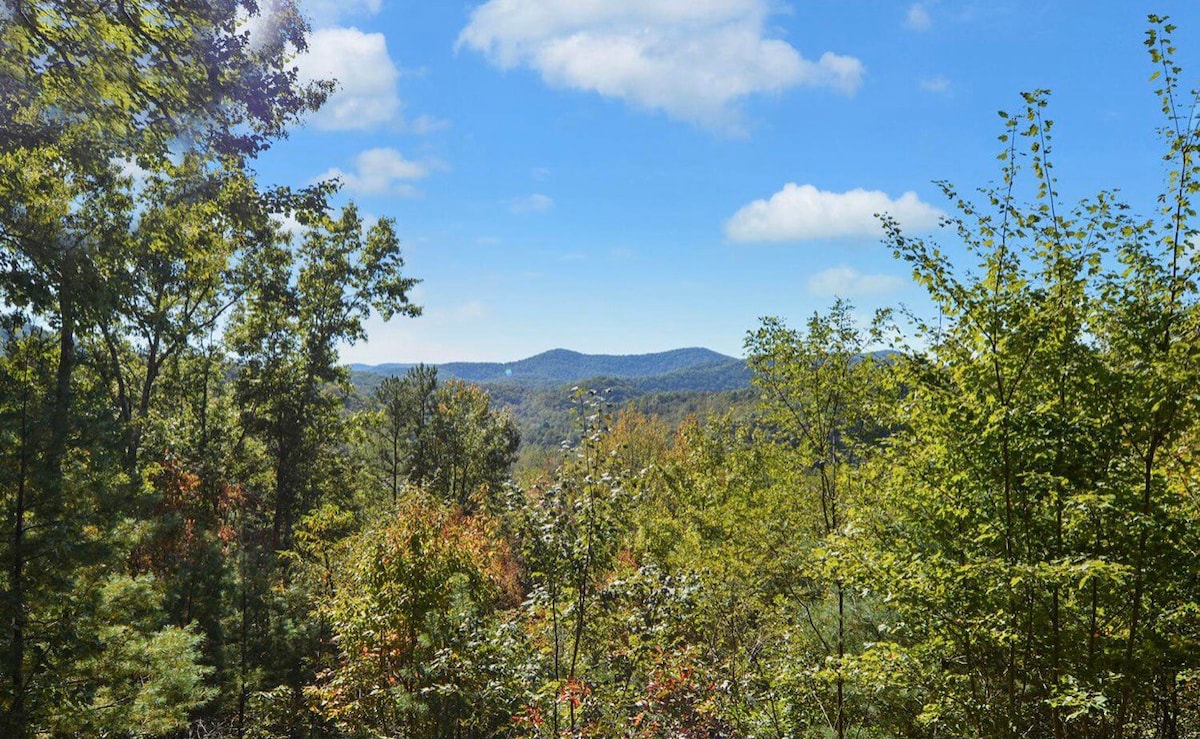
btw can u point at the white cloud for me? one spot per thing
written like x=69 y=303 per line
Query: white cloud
x=289 y=225
x=802 y=212
x=918 y=18
x=381 y=171
x=693 y=60
x=937 y=84
x=847 y=282
x=535 y=203
x=366 y=95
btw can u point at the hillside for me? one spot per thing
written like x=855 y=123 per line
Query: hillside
x=537 y=390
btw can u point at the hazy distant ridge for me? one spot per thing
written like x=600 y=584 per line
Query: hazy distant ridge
x=694 y=368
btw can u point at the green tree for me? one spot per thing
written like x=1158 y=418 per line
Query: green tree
x=404 y=429
x=89 y=645
x=86 y=89
x=136 y=79
x=289 y=391
x=1027 y=538
x=567 y=534
x=143 y=674
x=176 y=278
x=444 y=438
x=95 y=83
x=25 y=363
x=285 y=337
x=472 y=447
x=822 y=404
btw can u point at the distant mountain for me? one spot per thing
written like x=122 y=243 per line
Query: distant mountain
x=678 y=369
x=537 y=390
x=712 y=377
x=669 y=385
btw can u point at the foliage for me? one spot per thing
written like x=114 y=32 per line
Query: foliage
x=134 y=671
x=408 y=603
x=825 y=405
x=138 y=77
x=443 y=438
x=285 y=335
x=1028 y=538
x=986 y=531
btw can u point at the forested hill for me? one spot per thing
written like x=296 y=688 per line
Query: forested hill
x=692 y=369
x=537 y=391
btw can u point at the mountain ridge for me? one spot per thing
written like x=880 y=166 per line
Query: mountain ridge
x=705 y=367
x=537 y=389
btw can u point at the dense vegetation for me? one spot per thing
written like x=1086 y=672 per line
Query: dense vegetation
x=671 y=386
x=993 y=531
x=545 y=416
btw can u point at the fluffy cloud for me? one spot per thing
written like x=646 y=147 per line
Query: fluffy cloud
x=381 y=172
x=366 y=78
x=847 y=282
x=694 y=60
x=802 y=212
x=535 y=203
x=918 y=18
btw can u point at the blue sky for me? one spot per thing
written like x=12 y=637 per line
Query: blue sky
x=628 y=176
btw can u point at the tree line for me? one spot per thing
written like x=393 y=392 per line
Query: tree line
x=990 y=530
